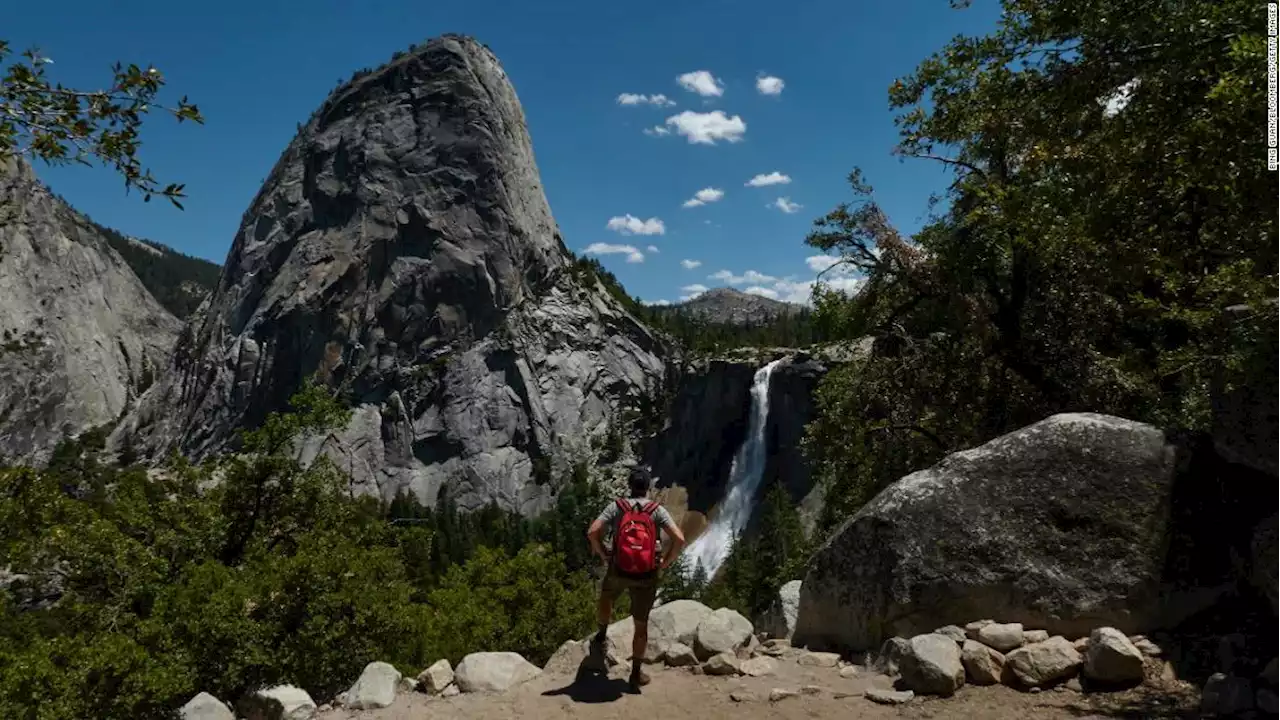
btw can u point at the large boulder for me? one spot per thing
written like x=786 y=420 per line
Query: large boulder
x=1044 y=663
x=493 y=672
x=722 y=631
x=375 y=688
x=402 y=248
x=1060 y=525
x=281 y=702
x=933 y=666
x=566 y=660
x=1112 y=659
x=779 y=620
x=677 y=621
x=205 y=707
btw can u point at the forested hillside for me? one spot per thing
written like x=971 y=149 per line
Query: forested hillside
x=180 y=282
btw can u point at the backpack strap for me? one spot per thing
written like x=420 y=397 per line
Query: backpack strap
x=649 y=508
x=622 y=504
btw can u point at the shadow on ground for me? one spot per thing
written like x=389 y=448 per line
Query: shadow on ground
x=592 y=684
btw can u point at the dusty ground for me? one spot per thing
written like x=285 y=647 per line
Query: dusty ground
x=677 y=693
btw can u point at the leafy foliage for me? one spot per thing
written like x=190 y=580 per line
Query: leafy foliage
x=62 y=125
x=1110 y=202
x=134 y=592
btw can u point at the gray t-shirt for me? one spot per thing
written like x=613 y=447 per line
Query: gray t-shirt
x=612 y=514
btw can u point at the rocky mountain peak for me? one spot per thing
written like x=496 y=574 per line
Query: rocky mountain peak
x=734 y=307
x=402 y=249
x=80 y=337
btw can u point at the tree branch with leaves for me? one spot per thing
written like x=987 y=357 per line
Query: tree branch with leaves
x=41 y=119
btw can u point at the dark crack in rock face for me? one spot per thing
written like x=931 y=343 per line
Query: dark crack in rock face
x=403 y=249
x=80 y=337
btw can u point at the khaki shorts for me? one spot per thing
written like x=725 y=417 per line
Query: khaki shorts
x=643 y=592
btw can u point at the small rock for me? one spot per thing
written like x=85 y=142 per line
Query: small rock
x=695 y=669
x=282 y=702
x=726 y=663
x=811 y=690
x=1112 y=659
x=983 y=665
x=324 y=708
x=819 y=659
x=679 y=655
x=1044 y=663
x=954 y=632
x=494 y=672
x=436 y=678
x=1074 y=685
x=1226 y=694
x=971 y=629
x=776 y=646
x=889 y=697
x=205 y=707
x=1267 y=701
x=375 y=688
x=1033 y=690
x=759 y=666
x=777 y=694
x=407 y=684
x=1034 y=636
x=849 y=672
x=934 y=666
x=843 y=695
x=749 y=649
x=1002 y=636
x=1146 y=647
x=742 y=696
x=451 y=691
x=1080 y=644
x=892 y=653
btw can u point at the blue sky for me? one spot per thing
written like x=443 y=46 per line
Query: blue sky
x=257 y=69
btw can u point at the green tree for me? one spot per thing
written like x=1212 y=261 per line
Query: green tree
x=1106 y=163
x=43 y=119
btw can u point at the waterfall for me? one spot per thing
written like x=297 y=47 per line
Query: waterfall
x=712 y=546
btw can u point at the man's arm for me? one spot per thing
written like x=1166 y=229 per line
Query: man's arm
x=677 y=542
x=593 y=536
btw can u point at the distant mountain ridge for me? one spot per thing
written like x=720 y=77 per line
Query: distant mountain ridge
x=734 y=307
x=179 y=282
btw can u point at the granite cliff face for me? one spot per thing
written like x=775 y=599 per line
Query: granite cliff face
x=80 y=337
x=403 y=250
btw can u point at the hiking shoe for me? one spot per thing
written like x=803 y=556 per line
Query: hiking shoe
x=639 y=678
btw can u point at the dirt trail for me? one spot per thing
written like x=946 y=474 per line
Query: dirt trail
x=677 y=693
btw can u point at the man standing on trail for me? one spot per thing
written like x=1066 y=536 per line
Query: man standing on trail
x=634 y=564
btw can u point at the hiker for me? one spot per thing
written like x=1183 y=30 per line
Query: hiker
x=634 y=564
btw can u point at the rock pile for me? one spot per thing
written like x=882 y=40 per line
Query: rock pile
x=987 y=653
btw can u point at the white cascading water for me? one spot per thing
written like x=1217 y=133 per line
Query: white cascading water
x=712 y=547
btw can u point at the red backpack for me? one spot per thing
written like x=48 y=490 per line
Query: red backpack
x=635 y=544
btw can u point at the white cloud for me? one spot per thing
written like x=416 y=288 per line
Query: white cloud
x=769 y=85
x=773 y=178
x=690 y=264
x=818 y=263
x=707 y=128
x=762 y=292
x=653 y=249
x=656 y=131
x=750 y=277
x=631 y=225
x=692 y=291
x=701 y=82
x=704 y=196
x=657 y=99
x=785 y=205
x=633 y=254
x=657 y=303
x=1118 y=99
